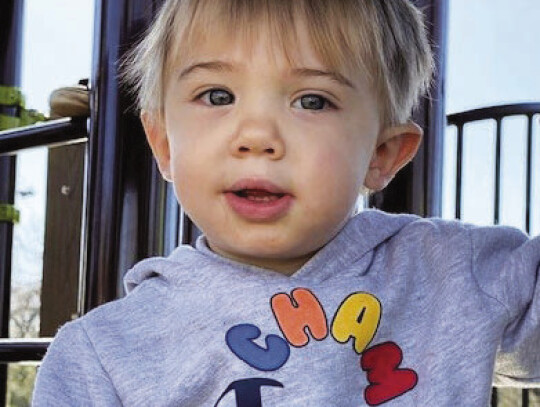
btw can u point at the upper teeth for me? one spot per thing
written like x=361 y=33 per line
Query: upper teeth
x=266 y=198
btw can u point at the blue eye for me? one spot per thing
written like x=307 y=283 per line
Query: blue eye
x=217 y=97
x=313 y=102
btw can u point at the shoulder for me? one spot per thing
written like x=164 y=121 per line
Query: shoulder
x=72 y=373
x=143 y=304
x=415 y=227
x=389 y=227
x=69 y=343
x=65 y=367
x=455 y=238
x=443 y=242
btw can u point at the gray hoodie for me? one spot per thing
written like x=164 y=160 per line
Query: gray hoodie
x=394 y=311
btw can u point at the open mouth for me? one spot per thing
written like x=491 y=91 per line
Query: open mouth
x=258 y=200
x=258 y=195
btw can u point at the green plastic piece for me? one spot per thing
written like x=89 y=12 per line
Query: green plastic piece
x=9 y=122
x=11 y=96
x=10 y=214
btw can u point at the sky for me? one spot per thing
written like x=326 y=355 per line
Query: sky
x=57 y=51
x=493 y=58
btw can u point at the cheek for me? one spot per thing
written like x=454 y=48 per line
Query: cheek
x=338 y=172
x=330 y=188
x=186 y=175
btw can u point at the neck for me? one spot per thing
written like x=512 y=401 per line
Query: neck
x=286 y=267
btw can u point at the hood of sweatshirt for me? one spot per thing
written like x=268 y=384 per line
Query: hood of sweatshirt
x=360 y=235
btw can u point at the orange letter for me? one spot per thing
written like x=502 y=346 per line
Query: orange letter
x=295 y=314
x=357 y=317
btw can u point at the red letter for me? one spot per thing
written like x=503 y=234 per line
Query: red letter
x=387 y=381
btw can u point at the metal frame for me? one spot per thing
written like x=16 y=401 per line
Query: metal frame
x=23 y=350
x=125 y=191
x=120 y=162
x=48 y=134
x=11 y=14
x=496 y=113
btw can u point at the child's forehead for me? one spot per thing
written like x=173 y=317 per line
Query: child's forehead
x=211 y=34
x=232 y=53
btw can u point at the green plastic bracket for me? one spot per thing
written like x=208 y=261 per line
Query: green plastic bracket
x=11 y=96
x=9 y=122
x=9 y=214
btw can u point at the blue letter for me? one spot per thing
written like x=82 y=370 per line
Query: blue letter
x=240 y=341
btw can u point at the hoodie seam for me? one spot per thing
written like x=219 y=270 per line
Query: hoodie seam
x=474 y=276
x=91 y=342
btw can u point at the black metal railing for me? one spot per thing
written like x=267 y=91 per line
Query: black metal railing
x=501 y=397
x=497 y=114
x=48 y=134
x=23 y=350
x=53 y=133
x=119 y=165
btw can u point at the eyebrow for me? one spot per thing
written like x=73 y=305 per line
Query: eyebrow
x=221 y=66
x=216 y=66
x=334 y=76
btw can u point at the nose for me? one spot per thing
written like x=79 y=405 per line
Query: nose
x=258 y=137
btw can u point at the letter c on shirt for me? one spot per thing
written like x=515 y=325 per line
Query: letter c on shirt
x=357 y=317
x=240 y=338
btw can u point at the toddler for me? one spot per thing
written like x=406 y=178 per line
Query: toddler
x=270 y=117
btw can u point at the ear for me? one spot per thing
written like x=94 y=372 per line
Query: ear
x=157 y=138
x=396 y=146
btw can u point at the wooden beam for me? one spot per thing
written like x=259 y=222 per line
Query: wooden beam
x=61 y=256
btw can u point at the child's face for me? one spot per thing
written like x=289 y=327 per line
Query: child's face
x=268 y=159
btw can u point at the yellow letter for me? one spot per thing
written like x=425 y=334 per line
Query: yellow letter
x=358 y=317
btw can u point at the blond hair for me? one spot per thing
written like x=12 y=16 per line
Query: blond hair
x=384 y=38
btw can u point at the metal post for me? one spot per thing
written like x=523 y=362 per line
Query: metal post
x=497 y=197
x=418 y=187
x=122 y=197
x=11 y=18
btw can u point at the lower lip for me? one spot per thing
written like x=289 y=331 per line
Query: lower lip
x=259 y=210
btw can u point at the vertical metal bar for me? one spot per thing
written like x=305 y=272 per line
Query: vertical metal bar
x=11 y=19
x=528 y=199
x=156 y=211
x=189 y=231
x=524 y=398
x=497 y=203
x=434 y=110
x=177 y=217
x=100 y=225
x=418 y=187
x=185 y=227
x=171 y=221
x=459 y=169
x=118 y=228
x=7 y=194
x=494 y=398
